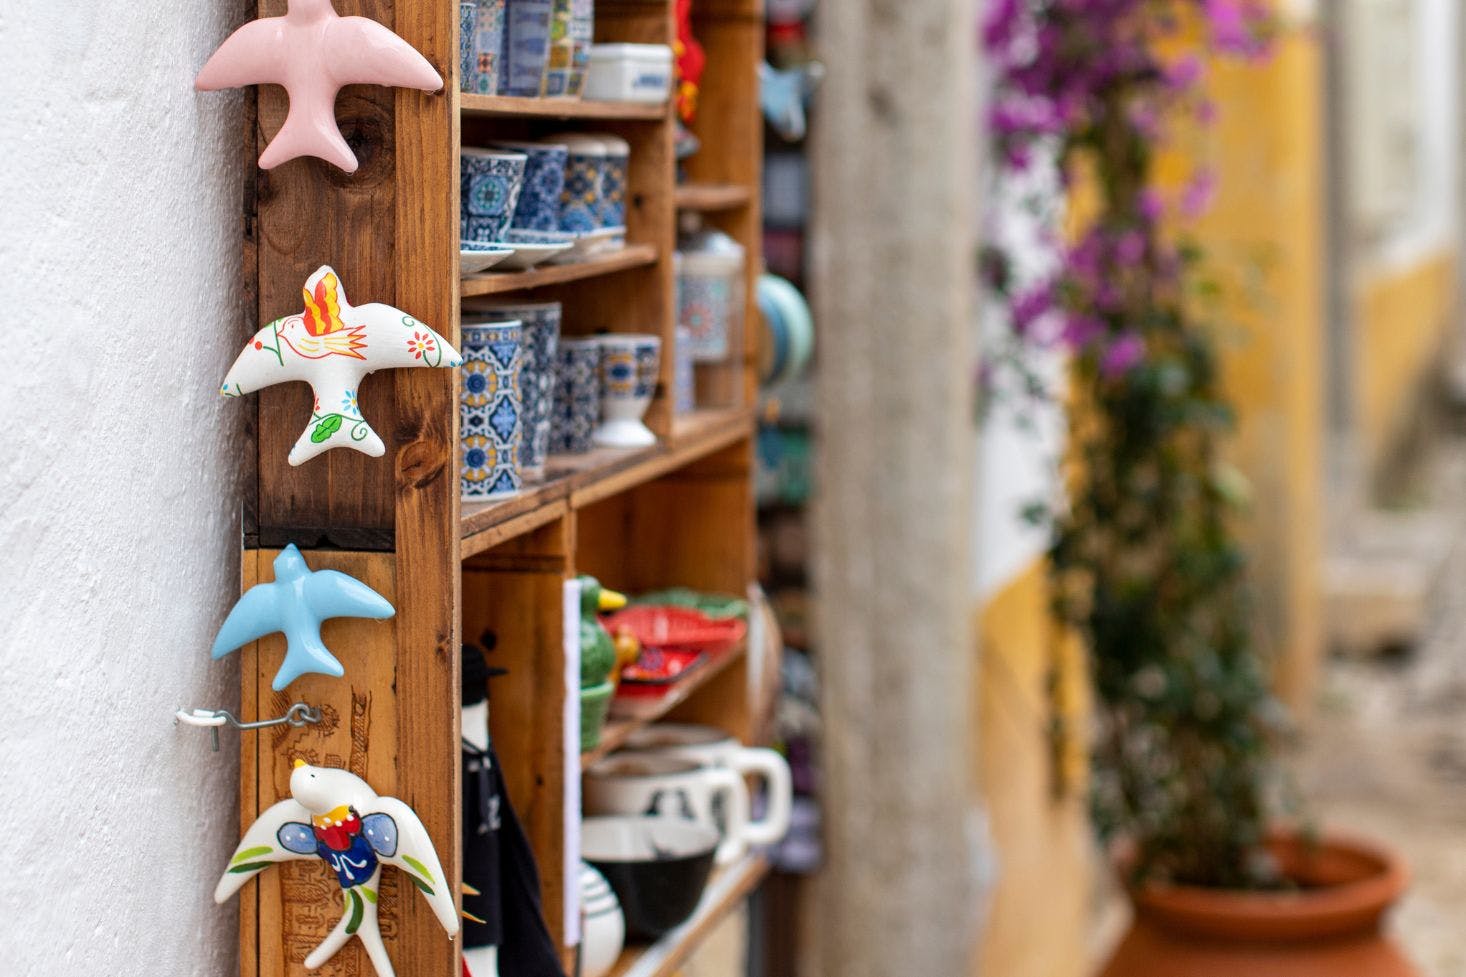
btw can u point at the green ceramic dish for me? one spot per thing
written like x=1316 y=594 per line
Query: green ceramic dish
x=718 y=606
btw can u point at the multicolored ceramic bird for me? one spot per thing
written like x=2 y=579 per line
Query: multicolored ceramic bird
x=332 y=345
x=597 y=650
x=335 y=816
x=314 y=52
x=296 y=603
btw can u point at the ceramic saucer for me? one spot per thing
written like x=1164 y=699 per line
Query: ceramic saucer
x=471 y=261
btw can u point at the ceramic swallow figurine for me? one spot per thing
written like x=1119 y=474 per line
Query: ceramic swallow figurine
x=332 y=345
x=296 y=603
x=313 y=53
x=335 y=816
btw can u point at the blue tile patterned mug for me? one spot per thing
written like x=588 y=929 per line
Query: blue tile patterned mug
x=491 y=411
x=541 y=338
x=467 y=27
x=580 y=200
x=538 y=208
x=629 y=368
x=526 y=46
x=614 y=173
x=577 y=396
x=490 y=184
x=488 y=48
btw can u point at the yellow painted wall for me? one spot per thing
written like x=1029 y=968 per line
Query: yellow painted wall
x=1039 y=918
x=1265 y=242
x=1401 y=318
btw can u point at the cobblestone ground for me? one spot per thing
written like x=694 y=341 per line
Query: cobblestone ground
x=1385 y=753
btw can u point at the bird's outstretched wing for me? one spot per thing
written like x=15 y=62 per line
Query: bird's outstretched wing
x=255 y=615
x=276 y=836
x=399 y=838
x=359 y=51
x=330 y=593
x=252 y=55
x=398 y=341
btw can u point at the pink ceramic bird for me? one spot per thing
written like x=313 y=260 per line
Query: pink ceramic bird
x=314 y=52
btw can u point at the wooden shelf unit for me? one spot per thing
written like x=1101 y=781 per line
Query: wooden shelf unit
x=709 y=197
x=679 y=513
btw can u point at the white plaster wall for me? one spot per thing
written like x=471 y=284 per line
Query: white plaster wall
x=119 y=269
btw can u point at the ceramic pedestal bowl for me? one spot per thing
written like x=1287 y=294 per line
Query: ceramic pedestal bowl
x=657 y=866
x=628 y=381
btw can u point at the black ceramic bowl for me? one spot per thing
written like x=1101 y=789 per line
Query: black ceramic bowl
x=658 y=867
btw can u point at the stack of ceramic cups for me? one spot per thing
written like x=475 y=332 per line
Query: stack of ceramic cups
x=577 y=396
x=491 y=410
x=480 y=45
x=490 y=184
x=540 y=323
x=596 y=174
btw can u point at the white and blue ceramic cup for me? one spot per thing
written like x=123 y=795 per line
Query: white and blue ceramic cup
x=491 y=182
x=526 y=46
x=629 y=365
x=580 y=200
x=538 y=208
x=615 y=171
x=540 y=323
x=488 y=48
x=491 y=411
x=577 y=396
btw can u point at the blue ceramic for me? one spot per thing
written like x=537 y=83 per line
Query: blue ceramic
x=517 y=235
x=580 y=200
x=541 y=324
x=614 y=171
x=684 y=374
x=582 y=31
x=577 y=396
x=538 y=208
x=491 y=182
x=488 y=47
x=296 y=603
x=491 y=410
x=467 y=27
x=526 y=46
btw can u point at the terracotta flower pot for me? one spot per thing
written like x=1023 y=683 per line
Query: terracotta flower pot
x=1328 y=927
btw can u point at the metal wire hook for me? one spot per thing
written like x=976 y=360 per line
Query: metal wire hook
x=300 y=714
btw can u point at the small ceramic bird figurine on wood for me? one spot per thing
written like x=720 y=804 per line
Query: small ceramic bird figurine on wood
x=314 y=52
x=296 y=603
x=335 y=816
x=332 y=345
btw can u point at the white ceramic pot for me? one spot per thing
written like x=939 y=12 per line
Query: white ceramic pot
x=603 y=928
x=673 y=787
x=714 y=748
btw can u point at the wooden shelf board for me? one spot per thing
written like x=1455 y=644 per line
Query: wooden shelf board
x=711 y=196
x=558 y=108
x=492 y=283
x=578 y=480
x=618 y=729
x=726 y=891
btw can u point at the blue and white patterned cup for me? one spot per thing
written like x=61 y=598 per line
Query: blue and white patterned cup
x=580 y=200
x=491 y=182
x=526 y=46
x=614 y=173
x=538 y=208
x=467 y=27
x=488 y=47
x=629 y=365
x=577 y=396
x=541 y=334
x=491 y=411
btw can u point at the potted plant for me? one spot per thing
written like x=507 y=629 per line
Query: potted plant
x=1144 y=560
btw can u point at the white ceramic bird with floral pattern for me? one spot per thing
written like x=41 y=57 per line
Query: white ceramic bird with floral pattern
x=335 y=816
x=332 y=345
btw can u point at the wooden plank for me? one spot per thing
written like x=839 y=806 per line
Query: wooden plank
x=619 y=728
x=496 y=283
x=709 y=197
x=249 y=765
x=426 y=487
x=506 y=106
x=726 y=891
x=510 y=528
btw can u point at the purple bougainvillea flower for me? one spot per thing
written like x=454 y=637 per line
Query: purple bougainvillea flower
x=1127 y=350
x=1197 y=196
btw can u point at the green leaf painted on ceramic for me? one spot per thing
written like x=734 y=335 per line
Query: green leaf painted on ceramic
x=370 y=894
x=427 y=889
x=250 y=853
x=249 y=867
x=420 y=867
x=357 y=908
x=326 y=427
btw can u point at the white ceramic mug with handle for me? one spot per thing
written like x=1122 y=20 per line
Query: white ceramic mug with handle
x=674 y=787
x=712 y=747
